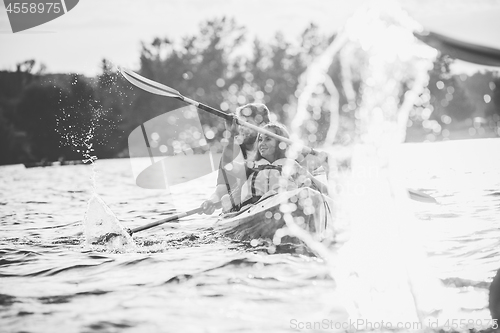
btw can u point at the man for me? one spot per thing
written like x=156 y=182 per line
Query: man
x=240 y=148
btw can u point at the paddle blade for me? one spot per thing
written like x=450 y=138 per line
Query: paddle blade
x=103 y=228
x=421 y=196
x=474 y=53
x=170 y=149
x=149 y=85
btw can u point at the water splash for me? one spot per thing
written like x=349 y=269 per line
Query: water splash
x=380 y=268
x=100 y=221
x=81 y=126
x=78 y=129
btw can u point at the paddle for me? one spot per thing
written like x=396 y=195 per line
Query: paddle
x=165 y=220
x=162 y=90
x=108 y=236
x=458 y=49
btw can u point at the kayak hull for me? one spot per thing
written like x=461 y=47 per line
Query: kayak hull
x=310 y=210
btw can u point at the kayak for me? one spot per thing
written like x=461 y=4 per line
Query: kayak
x=311 y=210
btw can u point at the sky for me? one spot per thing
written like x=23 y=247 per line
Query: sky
x=114 y=29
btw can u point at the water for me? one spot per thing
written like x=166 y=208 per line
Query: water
x=184 y=277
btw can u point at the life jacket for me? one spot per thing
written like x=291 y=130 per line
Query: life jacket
x=265 y=177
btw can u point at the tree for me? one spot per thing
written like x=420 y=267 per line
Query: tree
x=199 y=68
x=35 y=116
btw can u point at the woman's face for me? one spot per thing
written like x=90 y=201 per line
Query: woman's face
x=267 y=146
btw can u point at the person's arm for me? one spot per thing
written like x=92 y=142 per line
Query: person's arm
x=307 y=179
x=322 y=187
x=213 y=202
x=232 y=166
x=232 y=160
x=227 y=186
x=314 y=162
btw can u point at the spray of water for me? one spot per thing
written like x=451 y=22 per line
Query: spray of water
x=379 y=268
x=78 y=125
x=101 y=221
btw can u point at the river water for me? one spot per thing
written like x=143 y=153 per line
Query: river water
x=184 y=277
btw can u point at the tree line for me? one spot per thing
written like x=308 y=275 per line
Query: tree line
x=49 y=116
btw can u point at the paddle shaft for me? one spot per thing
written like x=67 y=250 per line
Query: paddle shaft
x=163 y=90
x=228 y=116
x=168 y=219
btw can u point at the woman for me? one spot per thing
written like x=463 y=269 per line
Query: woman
x=241 y=147
x=272 y=172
